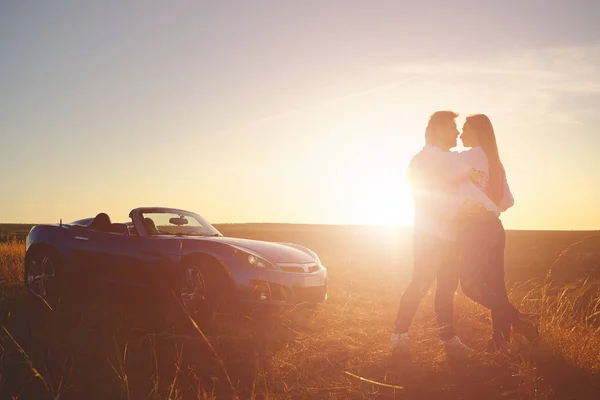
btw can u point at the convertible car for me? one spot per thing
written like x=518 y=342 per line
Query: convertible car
x=170 y=252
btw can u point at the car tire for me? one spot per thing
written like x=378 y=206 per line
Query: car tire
x=40 y=276
x=204 y=289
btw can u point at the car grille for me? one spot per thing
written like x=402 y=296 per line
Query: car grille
x=300 y=270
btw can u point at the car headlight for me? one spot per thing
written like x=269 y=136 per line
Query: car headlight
x=252 y=260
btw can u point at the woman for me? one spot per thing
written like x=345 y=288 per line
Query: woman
x=480 y=233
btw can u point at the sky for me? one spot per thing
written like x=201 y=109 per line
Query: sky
x=295 y=111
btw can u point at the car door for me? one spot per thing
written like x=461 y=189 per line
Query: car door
x=131 y=261
x=150 y=260
x=112 y=260
x=105 y=257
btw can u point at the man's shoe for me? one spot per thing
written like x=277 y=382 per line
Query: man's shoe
x=455 y=345
x=498 y=346
x=399 y=342
x=526 y=326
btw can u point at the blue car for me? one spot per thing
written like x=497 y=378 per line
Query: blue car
x=169 y=252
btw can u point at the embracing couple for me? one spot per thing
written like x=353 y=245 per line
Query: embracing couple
x=458 y=198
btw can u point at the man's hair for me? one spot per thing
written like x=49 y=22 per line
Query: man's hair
x=438 y=118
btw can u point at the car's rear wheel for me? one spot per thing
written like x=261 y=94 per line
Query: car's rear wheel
x=40 y=277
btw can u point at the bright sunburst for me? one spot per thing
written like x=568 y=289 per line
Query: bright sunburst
x=374 y=196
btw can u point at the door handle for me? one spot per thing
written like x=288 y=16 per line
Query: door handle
x=82 y=238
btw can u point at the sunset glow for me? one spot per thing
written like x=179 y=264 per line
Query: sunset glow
x=262 y=120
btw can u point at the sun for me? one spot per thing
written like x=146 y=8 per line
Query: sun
x=375 y=196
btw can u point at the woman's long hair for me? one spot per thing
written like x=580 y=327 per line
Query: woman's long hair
x=482 y=126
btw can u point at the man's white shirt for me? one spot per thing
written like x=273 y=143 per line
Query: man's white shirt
x=441 y=182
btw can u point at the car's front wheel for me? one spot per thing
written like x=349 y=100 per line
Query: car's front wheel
x=203 y=289
x=194 y=292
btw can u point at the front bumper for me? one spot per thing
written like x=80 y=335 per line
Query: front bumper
x=281 y=287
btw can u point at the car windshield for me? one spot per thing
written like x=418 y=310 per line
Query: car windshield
x=166 y=223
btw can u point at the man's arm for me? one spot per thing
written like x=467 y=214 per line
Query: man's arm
x=415 y=172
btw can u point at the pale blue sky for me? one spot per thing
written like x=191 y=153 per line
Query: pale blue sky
x=290 y=111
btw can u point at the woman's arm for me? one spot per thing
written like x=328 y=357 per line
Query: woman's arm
x=446 y=165
x=507 y=199
x=454 y=166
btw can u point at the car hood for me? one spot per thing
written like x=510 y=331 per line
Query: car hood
x=274 y=252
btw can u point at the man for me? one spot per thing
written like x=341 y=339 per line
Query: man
x=435 y=252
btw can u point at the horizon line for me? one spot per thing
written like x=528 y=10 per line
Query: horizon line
x=331 y=225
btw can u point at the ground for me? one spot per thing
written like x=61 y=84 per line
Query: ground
x=338 y=350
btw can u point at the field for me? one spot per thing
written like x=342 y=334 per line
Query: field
x=338 y=350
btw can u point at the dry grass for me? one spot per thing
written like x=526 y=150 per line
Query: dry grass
x=12 y=255
x=339 y=350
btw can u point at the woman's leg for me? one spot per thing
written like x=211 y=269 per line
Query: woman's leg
x=496 y=283
x=478 y=241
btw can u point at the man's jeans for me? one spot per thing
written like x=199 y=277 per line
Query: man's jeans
x=432 y=258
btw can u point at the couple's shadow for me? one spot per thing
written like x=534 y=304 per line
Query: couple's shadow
x=529 y=371
x=456 y=374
